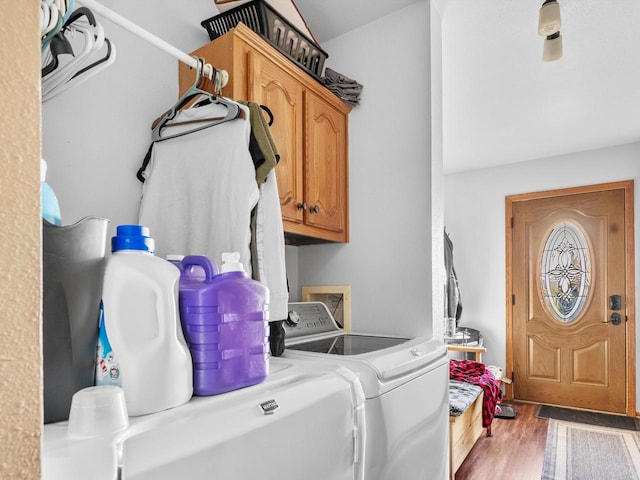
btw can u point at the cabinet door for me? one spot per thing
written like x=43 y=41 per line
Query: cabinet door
x=271 y=86
x=327 y=172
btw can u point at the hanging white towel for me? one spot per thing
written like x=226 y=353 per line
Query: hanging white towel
x=269 y=248
x=200 y=188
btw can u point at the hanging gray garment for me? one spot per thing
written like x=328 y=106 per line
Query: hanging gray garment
x=454 y=303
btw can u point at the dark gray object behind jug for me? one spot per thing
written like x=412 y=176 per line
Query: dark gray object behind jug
x=72 y=269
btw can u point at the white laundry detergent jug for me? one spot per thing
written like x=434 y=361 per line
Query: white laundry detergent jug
x=141 y=346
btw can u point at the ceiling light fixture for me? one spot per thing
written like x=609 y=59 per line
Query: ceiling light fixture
x=549 y=26
x=549 y=21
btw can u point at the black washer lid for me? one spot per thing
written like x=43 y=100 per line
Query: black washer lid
x=348 y=344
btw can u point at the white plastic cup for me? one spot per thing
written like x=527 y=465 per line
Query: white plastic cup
x=97 y=411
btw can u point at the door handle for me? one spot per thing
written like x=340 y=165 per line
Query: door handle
x=615 y=318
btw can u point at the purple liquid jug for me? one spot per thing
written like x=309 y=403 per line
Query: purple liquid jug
x=225 y=321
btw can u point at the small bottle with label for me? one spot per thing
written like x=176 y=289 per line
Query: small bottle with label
x=50 y=206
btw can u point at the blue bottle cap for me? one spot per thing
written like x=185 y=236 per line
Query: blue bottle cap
x=132 y=237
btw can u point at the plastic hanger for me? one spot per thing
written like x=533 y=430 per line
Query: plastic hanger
x=80 y=25
x=86 y=72
x=233 y=109
x=62 y=8
x=62 y=72
x=54 y=15
x=59 y=46
x=45 y=16
x=53 y=28
x=69 y=9
x=66 y=71
x=64 y=45
x=103 y=62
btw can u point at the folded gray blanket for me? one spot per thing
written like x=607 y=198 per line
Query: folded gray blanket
x=342 y=86
x=461 y=395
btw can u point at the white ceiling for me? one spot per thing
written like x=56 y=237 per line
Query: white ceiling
x=329 y=18
x=501 y=103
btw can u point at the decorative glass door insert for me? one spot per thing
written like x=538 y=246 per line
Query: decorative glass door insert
x=566 y=272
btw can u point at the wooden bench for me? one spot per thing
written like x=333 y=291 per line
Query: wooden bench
x=465 y=429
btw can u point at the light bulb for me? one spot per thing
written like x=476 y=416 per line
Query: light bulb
x=552 y=48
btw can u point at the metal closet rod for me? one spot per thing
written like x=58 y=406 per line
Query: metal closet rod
x=118 y=19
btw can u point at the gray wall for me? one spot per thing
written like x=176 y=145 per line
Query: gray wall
x=96 y=135
x=388 y=262
x=474 y=216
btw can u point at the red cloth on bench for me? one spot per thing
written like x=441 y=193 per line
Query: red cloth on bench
x=478 y=374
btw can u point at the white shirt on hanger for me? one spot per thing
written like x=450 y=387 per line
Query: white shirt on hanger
x=200 y=188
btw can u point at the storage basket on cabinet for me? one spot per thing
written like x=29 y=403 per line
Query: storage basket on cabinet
x=263 y=19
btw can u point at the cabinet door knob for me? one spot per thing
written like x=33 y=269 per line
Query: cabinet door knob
x=315 y=209
x=302 y=206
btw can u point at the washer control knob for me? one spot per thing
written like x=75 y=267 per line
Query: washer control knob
x=293 y=318
x=416 y=352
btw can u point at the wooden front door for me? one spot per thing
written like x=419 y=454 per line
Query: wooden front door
x=570 y=299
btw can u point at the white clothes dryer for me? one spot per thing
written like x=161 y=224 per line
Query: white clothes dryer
x=405 y=383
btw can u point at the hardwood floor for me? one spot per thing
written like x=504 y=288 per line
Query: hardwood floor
x=514 y=451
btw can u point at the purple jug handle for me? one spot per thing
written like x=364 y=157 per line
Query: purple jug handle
x=209 y=266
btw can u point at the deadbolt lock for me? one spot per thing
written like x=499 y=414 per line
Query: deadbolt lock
x=615 y=302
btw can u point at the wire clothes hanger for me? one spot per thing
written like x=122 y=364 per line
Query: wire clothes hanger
x=195 y=91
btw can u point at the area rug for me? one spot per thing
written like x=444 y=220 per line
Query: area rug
x=591 y=418
x=577 y=451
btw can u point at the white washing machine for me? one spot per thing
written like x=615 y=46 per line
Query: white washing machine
x=405 y=384
x=300 y=424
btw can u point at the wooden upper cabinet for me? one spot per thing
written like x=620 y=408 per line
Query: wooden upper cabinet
x=310 y=129
x=326 y=167
x=275 y=88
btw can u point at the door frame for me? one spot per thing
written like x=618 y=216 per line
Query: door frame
x=630 y=324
